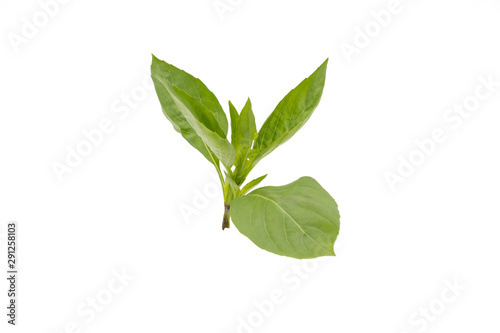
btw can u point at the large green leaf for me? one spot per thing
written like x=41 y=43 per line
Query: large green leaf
x=180 y=123
x=191 y=86
x=299 y=220
x=194 y=87
x=291 y=113
x=203 y=123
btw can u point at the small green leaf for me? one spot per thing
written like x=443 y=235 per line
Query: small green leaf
x=247 y=122
x=291 y=113
x=252 y=184
x=243 y=133
x=234 y=123
x=202 y=122
x=299 y=220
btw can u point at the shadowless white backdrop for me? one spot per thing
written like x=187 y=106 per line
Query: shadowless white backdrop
x=119 y=218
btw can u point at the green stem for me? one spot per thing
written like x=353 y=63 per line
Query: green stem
x=217 y=165
x=225 y=190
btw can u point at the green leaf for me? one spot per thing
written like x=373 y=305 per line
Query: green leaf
x=243 y=133
x=299 y=220
x=247 y=122
x=235 y=124
x=291 y=113
x=203 y=123
x=252 y=184
x=191 y=86
x=180 y=123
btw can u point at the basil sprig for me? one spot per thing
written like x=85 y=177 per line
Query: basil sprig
x=300 y=219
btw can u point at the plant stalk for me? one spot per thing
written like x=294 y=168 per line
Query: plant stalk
x=225 y=219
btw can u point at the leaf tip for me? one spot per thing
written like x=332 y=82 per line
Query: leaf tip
x=154 y=59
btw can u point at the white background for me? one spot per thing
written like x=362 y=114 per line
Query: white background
x=120 y=208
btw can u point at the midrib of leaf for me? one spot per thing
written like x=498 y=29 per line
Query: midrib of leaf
x=217 y=114
x=286 y=234
x=199 y=99
x=291 y=218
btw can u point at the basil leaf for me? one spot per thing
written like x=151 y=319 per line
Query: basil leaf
x=291 y=113
x=192 y=86
x=235 y=124
x=252 y=184
x=173 y=114
x=247 y=122
x=243 y=133
x=202 y=122
x=299 y=220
